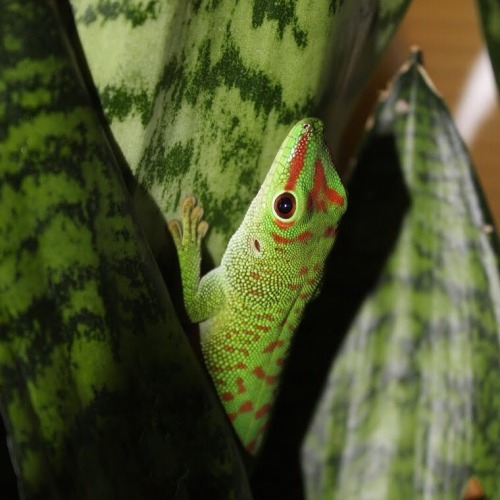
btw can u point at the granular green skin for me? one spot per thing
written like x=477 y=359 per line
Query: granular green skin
x=251 y=305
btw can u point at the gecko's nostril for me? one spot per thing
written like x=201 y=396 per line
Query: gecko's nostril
x=256 y=244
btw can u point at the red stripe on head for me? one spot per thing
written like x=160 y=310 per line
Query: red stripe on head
x=302 y=238
x=283 y=224
x=297 y=163
x=320 y=194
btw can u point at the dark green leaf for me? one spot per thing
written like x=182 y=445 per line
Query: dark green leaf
x=100 y=391
x=412 y=401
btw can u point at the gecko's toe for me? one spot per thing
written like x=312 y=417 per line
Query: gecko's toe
x=175 y=230
x=202 y=230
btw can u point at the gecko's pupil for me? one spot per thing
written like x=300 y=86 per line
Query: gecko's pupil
x=285 y=205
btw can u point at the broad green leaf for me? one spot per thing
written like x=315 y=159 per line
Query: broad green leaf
x=410 y=408
x=490 y=19
x=199 y=95
x=100 y=392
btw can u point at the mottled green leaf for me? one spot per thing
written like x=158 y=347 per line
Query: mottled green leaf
x=100 y=392
x=200 y=94
x=411 y=405
x=490 y=19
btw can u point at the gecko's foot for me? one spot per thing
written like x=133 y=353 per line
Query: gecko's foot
x=191 y=231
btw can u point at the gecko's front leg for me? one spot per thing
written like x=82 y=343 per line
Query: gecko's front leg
x=202 y=297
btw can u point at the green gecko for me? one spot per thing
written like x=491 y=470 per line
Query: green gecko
x=250 y=306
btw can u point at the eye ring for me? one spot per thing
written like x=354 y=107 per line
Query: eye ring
x=285 y=205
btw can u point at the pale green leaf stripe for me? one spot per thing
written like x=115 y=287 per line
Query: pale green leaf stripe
x=200 y=94
x=411 y=406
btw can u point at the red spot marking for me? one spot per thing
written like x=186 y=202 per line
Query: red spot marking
x=254 y=275
x=282 y=322
x=304 y=295
x=231 y=349
x=268 y=317
x=226 y=396
x=253 y=334
x=302 y=238
x=241 y=385
x=263 y=428
x=330 y=232
x=293 y=286
x=284 y=224
x=263 y=410
x=311 y=281
x=228 y=336
x=261 y=374
x=219 y=381
x=280 y=361
x=246 y=407
x=303 y=270
x=297 y=162
x=281 y=239
x=272 y=346
x=251 y=445
x=240 y=366
x=320 y=194
x=258 y=293
x=262 y=328
x=317 y=267
x=305 y=236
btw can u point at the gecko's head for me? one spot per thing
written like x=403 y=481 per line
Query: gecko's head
x=302 y=198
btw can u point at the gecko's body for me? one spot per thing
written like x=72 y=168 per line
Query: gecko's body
x=250 y=306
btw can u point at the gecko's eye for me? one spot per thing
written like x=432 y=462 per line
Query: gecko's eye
x=284 y=205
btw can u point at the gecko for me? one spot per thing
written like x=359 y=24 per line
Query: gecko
x=250 y=306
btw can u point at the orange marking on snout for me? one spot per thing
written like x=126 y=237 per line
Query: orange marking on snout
x=320 y=194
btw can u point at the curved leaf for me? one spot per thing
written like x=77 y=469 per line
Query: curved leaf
x=100 y=391
x=490 y=19
x=199 y=92
x=411 y=404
